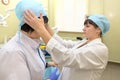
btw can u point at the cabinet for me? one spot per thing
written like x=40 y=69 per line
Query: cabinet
x=112 y=39
x=109 y=8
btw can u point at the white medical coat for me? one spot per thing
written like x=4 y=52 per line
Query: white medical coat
x=20 y=61
x=84 y=63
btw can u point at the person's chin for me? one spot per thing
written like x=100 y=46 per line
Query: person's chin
x=84 y=34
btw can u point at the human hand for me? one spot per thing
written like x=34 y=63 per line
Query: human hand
x=52 y=64
x=55 y=74
x=36 y=23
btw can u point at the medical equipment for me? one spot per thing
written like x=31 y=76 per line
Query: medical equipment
x=3 y=18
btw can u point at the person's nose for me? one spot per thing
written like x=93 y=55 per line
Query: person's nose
x=83 y=29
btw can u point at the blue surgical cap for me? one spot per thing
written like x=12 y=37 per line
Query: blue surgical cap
x=24 y=5
x=101 y=21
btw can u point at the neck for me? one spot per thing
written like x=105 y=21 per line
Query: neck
x=90 y=39
x=26 y=33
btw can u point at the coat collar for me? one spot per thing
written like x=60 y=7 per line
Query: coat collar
x=97 y=40
x=27 y=41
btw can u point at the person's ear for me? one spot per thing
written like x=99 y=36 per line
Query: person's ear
x=98 y=31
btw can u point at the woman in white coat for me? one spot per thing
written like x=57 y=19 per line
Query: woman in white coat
x=81 y=60
x=21 y=58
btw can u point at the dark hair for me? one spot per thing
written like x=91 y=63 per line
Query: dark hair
x=91 y=22
x=25 y=27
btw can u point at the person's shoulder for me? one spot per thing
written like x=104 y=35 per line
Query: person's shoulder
x=98 y=44
x=11 y=53
x=100 y=47
x=10 y=48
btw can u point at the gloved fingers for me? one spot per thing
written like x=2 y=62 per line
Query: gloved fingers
x=55 y=74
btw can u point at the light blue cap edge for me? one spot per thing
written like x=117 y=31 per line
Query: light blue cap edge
x=20 y=8
x=101 y=21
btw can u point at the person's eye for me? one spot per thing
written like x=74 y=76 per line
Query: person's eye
x=87 y=25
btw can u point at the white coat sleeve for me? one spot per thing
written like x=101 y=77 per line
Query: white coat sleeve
x=66 y=43
x=13 y=66
x=90 y=57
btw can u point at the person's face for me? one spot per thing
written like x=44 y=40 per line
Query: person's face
x=35 y=35
x=91 y=32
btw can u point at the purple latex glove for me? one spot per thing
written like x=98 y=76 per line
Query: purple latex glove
x=55 y=74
